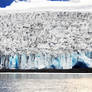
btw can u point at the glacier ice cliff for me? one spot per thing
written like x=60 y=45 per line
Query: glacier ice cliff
x=46 y=40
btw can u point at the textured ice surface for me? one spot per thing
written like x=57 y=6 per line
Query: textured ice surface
x=13 y=62
x=51 y=32
x=45 y=61
x=44 y=39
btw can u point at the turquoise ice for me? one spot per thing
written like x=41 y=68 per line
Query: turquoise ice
x=13 y=62
x=47 y=61
x=56 y=62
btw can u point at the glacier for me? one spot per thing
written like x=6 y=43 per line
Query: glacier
x=45 y=61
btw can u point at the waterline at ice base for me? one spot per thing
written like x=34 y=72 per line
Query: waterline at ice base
x=46 y=61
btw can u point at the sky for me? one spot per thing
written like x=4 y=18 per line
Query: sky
x=24 y=4
x=5 y=3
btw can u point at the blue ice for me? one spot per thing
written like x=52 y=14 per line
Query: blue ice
x=82 y=60
x=74 y=58
x=47 y=61
x=89 y=54
x=56 y=63
x=13 y=62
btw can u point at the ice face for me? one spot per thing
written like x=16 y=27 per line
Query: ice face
x=56 y=62
x=31 y=62
x=40 y=61
x=89 y=54
x=46 y=61
x=13 y=62
x=23 y=62
x=56 y=40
